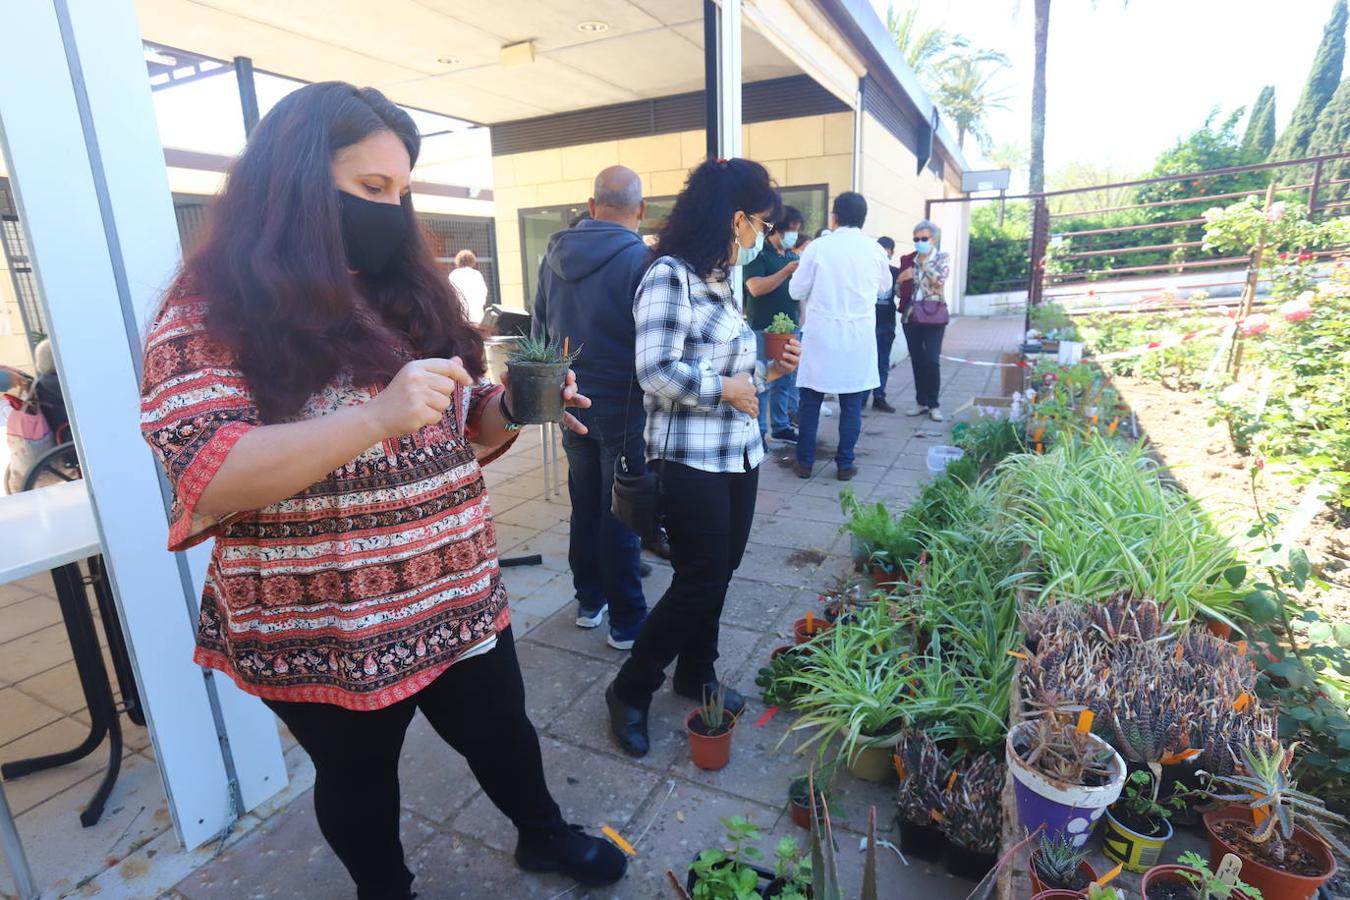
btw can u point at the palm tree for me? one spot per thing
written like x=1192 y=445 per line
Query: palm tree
x=965 y=94
x=922 y=47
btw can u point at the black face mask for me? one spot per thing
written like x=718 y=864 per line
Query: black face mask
x=372 y=232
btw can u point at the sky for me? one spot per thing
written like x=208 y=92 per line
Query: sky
x=1125 y=80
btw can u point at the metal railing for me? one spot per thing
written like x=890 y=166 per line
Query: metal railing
x=1085 y=251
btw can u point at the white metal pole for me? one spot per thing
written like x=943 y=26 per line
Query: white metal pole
x=88 y=170
x=729 y=78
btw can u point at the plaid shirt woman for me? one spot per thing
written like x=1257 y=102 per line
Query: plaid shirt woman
x=691 y=333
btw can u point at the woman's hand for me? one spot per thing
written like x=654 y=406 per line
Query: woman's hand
x=739 y=391
x=574 y=399
x=906 y=274
x=418 y=396
x=792 y=358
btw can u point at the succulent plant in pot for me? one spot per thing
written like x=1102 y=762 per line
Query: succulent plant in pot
x=924 y=773
x=777 y=335
x=1058 y=864
x=1139 y=826
x=536 y=374
x=1064 y=776
x=772 y=679
x=1283 y=835
x=972 y=813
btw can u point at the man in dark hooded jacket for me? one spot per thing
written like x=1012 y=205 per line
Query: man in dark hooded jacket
x=586 y=286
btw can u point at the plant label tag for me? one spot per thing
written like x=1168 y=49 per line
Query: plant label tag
x=810 y=622
x=1106 y=879
x=1230 y=867
x=618 y=840
x=1085 y=719
x=768 y=714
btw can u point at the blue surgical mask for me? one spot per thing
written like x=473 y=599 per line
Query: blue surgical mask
x=747 y=255
x=789 y=240
x=922 y=246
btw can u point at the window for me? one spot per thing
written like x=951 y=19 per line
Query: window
x=14 y=245
x=538 y=225
x=812 y=200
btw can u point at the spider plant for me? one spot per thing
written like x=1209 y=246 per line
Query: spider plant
x=1267 y=786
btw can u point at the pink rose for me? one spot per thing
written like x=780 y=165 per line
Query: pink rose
x=1276 y=212
x=1254 y=325
x=1296 y=310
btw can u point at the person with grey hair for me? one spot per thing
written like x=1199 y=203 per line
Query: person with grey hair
x=587 y=282
x=924 y=316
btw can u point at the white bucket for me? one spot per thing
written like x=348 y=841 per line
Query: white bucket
x=1070 y=353
x=940 y=456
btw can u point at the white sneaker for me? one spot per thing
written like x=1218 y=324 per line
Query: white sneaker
x=827 y=410
x=936 y=415
x=916 y=410
x=618 y=643
x=593 y=620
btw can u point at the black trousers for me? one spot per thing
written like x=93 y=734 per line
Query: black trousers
x=925 y=349
x=477 y=706
x=708 y=517
x=885 y=340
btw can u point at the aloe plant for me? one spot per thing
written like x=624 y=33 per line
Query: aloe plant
x=542 y=351
x=1058 y=861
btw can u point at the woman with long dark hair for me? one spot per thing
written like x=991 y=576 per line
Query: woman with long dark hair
x=696 y=361
x=316 y=396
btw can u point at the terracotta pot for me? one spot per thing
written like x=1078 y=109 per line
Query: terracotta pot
x=1272 y=883
x=779 y=651
x=709 y=751
x=1059 y=895
x=775 y=344
x=818 y=626
x=801 y=815
x=1219 y=629
x=884 y=578
x=1038 y=887
x=1165 y=875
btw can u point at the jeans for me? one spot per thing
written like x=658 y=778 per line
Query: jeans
x=707 y=517
x=885 y=340
x=775 y=404
x=604 y=555
x=925 y=349
x=477 y=707
x=850 y=426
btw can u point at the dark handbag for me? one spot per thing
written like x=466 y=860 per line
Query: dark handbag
x=930 y=312
x=635 y=500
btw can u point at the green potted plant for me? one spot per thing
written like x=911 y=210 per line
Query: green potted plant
x=1063 y=775
x=1194 y=880
x=730 y=873
x=772 y=679
x=536 y=374
x=1138 y=826
x=800 y=802
x=867 y=525
x=1280 y=833
x=777 y=335
x=710 y=728
x=1059 y=864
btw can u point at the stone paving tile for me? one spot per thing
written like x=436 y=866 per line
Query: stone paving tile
x=560 y=630
x=451 y=867
x=555 y=679
x=22 y=714
x=537 y=515
x=30 y=615
x=779 y=565
x=756 y=605
x=287 y=857
x=591 y=791
x=436 y=780
x=26 y=656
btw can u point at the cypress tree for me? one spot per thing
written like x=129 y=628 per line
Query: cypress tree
x=1259 y=138
x=1333 y=136
x=1322 y=81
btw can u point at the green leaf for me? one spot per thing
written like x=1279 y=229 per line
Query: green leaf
x=1298 y=561
x=1261 y=607
x=1235 y=575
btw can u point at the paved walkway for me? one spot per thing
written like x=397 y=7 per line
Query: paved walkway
x=456 y=841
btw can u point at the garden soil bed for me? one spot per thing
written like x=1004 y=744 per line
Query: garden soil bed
x=1201 y=458
x=1296 y=860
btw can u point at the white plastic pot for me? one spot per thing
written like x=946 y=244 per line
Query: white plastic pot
x=940 y=456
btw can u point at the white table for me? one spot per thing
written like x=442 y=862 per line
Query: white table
x=43 y=530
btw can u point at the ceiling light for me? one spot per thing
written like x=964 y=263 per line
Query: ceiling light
x=448 y=60
x=594 y=26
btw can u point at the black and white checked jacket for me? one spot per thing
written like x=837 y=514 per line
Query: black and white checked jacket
x=690 y=332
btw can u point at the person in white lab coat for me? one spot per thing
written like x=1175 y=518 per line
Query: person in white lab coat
x=838 y=281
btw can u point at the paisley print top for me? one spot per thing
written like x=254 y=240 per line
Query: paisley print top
x=359 y=590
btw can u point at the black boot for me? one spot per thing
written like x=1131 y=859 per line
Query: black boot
x=629 y=724
x=732 y=700
x=590 y=860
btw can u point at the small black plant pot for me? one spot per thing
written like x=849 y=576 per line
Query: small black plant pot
x=767 y=880
x=534 y=391
x=922 y=841
x=969 y=864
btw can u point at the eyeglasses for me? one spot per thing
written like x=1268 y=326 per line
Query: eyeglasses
x=922 y=237
x=766 y=227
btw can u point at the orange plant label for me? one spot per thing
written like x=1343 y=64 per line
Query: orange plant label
x=618 y=840
x=810 y=621
x=1085 y=719
x=951 y=783
x=1242 y=648
x=938 y=817
x=1018 y=654
x=1106 y=879
x=899 y=767
x=1181 y=756
x=1242 y=702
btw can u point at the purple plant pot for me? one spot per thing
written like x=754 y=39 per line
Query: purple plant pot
x=1062 y=808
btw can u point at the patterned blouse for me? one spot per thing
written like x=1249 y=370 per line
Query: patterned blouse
x=359 y=590
x=690 y=332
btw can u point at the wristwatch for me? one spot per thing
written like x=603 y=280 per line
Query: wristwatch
x=512 y=424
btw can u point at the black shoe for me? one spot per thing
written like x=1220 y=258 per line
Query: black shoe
x=590 y=860
x=629 y=724
x=880 y=404
x=846 y=474
x=802 y=470
x=660 y=545
x=732 y=702
x=786 y=435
